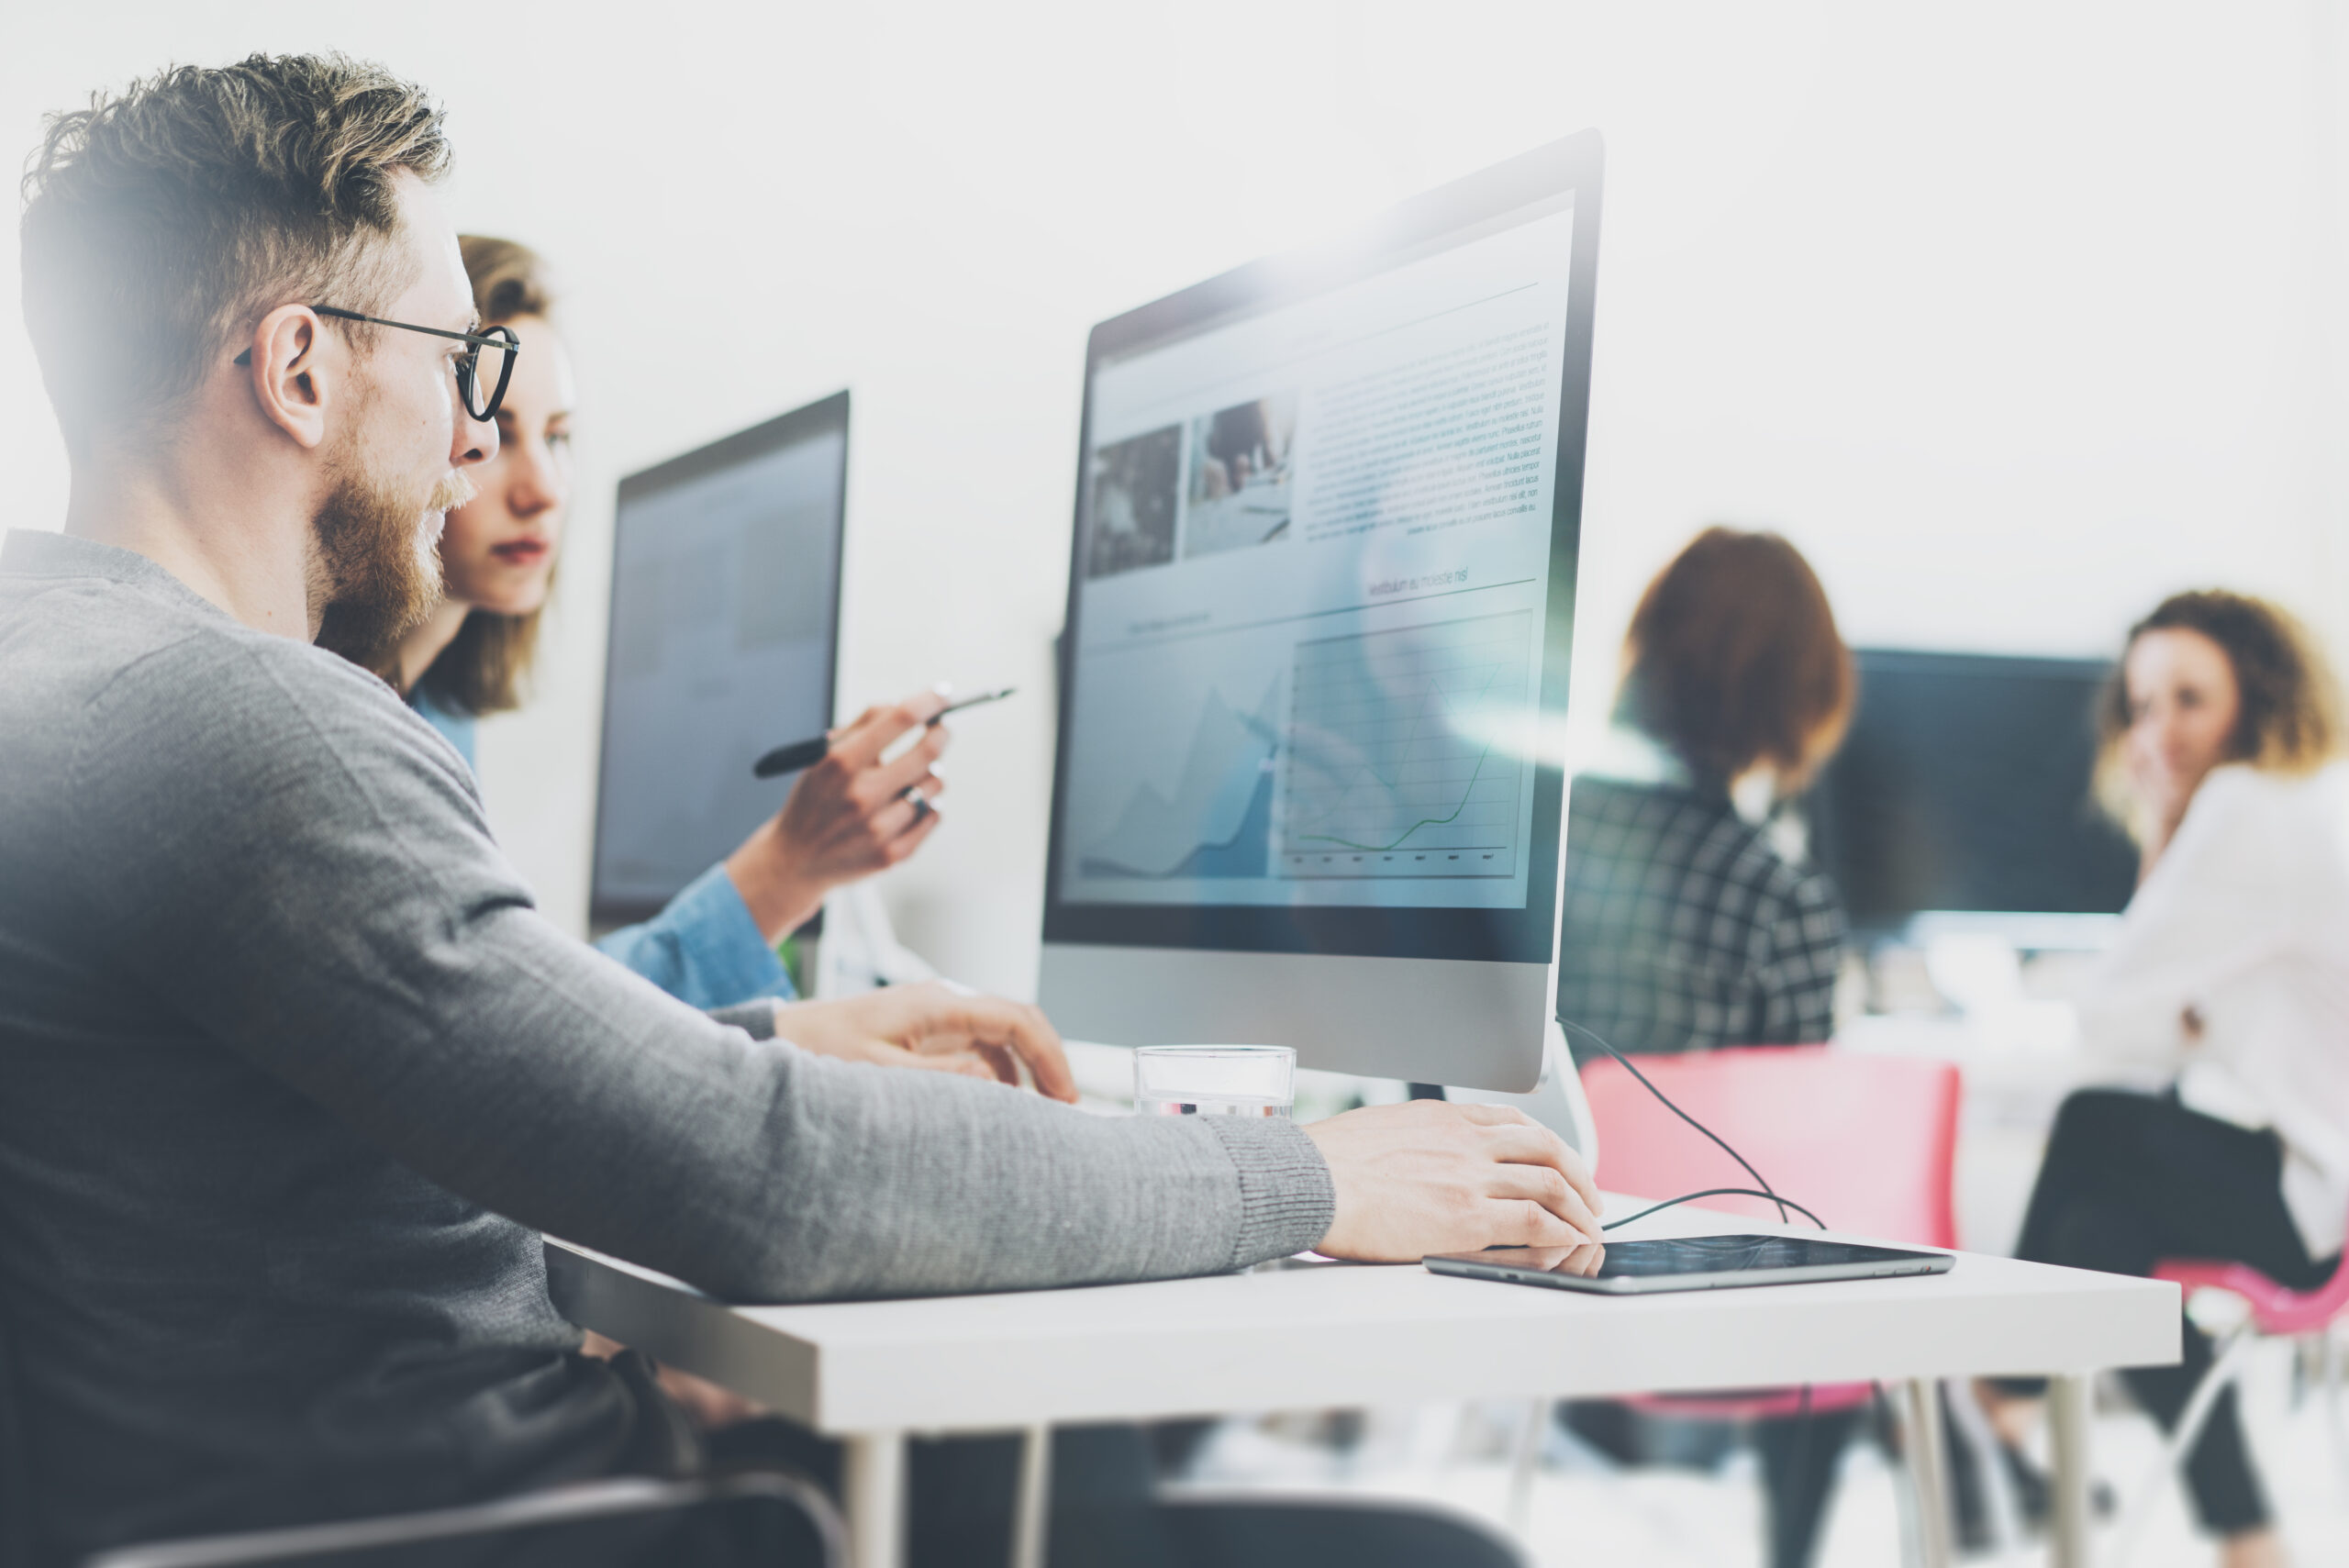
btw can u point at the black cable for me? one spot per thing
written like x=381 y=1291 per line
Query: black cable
x=1783 y=1203
x=1759 y=1180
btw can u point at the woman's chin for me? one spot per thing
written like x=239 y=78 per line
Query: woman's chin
x=507 y=597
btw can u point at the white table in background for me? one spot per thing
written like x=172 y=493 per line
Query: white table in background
x=870 y=1373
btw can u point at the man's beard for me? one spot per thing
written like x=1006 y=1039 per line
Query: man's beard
x=373 y=565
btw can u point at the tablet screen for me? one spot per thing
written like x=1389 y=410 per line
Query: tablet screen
x=1698 y=1255
x=1736 y=1254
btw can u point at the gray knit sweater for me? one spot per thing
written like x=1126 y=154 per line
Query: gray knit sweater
x=295 y=1077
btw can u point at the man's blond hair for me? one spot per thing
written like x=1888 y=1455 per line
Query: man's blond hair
x=164 y=220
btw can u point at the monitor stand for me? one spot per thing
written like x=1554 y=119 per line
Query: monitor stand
x=1556 y=1099
x=859 y=951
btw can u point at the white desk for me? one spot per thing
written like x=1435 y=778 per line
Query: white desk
x=870 y=1372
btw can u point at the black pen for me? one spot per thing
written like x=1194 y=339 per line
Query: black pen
x=806 y=753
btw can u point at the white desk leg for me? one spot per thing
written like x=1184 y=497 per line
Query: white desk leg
x=1929 y=1467
x=2068 y=1411
x=1029 y=1519
x=1531 y=1427
x=875 y=1485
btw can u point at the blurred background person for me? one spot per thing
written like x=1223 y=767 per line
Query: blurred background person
x=1687 y=923
x=852 y=815
x=2221 y=1012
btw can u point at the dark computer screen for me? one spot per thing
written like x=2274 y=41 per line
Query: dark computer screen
x=724 y=623
x=1964 y=785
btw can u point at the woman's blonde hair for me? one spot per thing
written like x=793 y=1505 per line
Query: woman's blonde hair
x=2289 y=721
x=487 y=668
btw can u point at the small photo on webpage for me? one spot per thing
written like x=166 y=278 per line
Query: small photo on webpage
x=1136 y=491
x=1240 y=475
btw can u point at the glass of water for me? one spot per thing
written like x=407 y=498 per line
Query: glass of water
x=1214 y=1080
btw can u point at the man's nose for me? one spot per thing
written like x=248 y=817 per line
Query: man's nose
x=476 y=440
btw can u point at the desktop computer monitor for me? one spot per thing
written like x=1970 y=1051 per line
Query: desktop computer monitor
x=1321 y=614
x=1962 y=788
x=725 y=619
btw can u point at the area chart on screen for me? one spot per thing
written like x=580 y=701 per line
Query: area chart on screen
x=1218 y=819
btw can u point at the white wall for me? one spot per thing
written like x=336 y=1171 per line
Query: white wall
x=2014 y=315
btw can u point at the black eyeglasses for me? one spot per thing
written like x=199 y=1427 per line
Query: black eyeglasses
x=500 y=344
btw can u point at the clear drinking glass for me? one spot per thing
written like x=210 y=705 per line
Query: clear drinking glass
x=1214 y=1080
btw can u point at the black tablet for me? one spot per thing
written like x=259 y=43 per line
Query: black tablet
x=1688 y=1263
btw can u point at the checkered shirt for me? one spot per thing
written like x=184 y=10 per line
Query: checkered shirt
x=1685 y=929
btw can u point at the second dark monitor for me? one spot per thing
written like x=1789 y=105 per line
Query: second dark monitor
x=1965 y=786
x=724 y=631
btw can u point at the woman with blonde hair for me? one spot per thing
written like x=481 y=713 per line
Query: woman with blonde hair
x=848 y=817
x=2220 y=1016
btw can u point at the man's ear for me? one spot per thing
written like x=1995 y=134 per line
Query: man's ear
x=292 y=383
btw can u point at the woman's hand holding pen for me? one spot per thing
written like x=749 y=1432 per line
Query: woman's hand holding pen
x=848 y=816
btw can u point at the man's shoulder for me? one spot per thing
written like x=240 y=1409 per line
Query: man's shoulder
x=123 y=678
x=238 y=700
x=122 y=647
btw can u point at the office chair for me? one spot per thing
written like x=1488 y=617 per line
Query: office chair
x=2238 y=1306
x=585 y=1502
x=1869 y=1142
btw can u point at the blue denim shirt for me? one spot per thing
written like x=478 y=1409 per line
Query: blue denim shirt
x=703 y=948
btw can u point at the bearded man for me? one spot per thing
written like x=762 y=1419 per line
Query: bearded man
x=296 y=1073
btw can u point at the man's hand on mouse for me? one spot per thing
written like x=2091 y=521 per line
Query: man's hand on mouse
x=1430 y=1176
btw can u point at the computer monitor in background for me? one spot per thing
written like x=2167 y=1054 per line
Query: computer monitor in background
x=725 y=621
x=1964 y=788
x=1321 y=614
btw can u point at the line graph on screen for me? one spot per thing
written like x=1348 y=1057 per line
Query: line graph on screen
x=1391 y=767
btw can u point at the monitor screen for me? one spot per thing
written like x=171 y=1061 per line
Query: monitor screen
x=1321 y=591
x=724 y=618
x=1964 y=785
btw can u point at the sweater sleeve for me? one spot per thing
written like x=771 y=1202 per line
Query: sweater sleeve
x=284 y=851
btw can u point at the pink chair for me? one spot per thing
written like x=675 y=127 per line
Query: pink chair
x=2260 y=1308
x=1867 y=1142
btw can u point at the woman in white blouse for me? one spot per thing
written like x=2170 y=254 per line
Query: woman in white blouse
x=2222 y=1015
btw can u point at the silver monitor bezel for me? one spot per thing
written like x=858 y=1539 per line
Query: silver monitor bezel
x=1454 y=995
